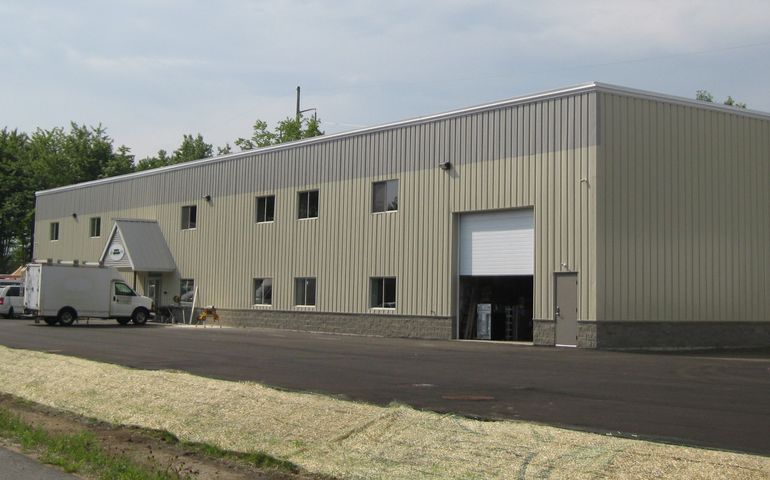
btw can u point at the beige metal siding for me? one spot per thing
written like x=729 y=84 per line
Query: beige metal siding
x=532 y=154
x=684 y=223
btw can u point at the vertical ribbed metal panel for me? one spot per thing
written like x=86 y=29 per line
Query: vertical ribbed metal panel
x=528 y=155
x=683 y=213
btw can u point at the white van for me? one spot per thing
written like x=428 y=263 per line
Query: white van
x=11 y=300
x=63 y=293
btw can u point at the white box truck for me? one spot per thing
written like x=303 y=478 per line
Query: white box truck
x=61 y=293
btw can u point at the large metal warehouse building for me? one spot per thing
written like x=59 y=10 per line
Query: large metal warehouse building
x=595 y=216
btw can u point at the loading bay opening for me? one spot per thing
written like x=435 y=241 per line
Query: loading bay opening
x=496 y=308
x=496 y=275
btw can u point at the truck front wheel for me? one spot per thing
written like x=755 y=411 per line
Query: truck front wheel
x=140 y=316
x=67 y=316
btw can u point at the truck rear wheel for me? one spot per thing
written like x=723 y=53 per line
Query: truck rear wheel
x=51 y=320
x=140 y=316
x=67 y=316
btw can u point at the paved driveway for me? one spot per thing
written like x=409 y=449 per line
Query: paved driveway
x=714 y=400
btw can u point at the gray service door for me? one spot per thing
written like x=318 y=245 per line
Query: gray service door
x=566 y=311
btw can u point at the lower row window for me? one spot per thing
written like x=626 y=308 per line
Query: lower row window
x=304 y=291
x=186 y=289
x=263 y=291
x=382 y=292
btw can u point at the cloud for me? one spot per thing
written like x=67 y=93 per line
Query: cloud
x=153 y=70
x=143 y=66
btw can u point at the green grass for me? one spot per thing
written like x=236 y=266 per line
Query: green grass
x=257 y=459
x=79 y=452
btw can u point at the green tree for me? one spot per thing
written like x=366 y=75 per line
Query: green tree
x=160 y=160
x=192 y=148
x=706 y=96
x=120 y=163
x=15 y=186
x=729 y=101
x=287 y=130
x=87 y=150
x=261 y=137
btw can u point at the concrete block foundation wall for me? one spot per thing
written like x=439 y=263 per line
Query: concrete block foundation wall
x=660 y=335
x=358 y=324
x=681 y=335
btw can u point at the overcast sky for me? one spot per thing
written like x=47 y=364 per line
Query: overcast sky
x=153 y=70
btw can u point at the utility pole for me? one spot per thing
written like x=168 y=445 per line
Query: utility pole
x=299 y=112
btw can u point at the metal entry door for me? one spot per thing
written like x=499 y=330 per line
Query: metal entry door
x=153 y=289
x=566 y=310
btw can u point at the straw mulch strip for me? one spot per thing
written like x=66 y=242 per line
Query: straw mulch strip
x=348 y=439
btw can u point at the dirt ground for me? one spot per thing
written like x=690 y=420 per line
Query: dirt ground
x=142 y=446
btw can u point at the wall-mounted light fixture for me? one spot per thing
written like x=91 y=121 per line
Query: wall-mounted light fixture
x=207 y=197
x=445 y=165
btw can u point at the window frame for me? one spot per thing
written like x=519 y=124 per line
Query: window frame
x=377 y=285
x=258 y=210
x=308 y=204
x=95 y=221
x=305 y=281
x=186 y=219
x=131 y=292
x=254 y=291
x=387 y=184
x=53 y=231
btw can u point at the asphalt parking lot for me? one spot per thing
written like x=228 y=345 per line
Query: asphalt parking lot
x=719 y=400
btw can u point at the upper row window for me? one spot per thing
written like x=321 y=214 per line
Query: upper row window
x=95 y=227
x=308 y=204
x=54 y=231
x=265 y=209
x=189 y=217
x=385 y=196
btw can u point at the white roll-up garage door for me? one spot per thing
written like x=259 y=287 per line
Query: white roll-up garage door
x=498 y=243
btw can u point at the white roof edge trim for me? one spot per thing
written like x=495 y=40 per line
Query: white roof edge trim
x=581 y=88
x=586 y=87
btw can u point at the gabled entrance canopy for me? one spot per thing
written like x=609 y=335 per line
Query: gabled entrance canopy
x=137 y=246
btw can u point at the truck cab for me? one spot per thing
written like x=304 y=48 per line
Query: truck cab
x=125 y=302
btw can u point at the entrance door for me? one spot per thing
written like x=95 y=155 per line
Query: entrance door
x=566 y=311
x=154 y=290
